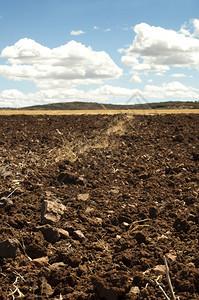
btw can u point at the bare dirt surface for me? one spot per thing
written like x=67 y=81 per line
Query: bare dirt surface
x=129 y=186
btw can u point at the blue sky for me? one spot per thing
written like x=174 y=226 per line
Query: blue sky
x=105 y=51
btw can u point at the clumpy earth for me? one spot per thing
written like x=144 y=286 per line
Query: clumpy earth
x=91 y=205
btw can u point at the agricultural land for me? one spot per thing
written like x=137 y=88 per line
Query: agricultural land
x=94 y=206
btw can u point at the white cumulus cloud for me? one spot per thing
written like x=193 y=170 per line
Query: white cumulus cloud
x=15 y=98
x=172 y=90
x=69 y=65
x=195 y=23
x=105 y=93
x=157 y=49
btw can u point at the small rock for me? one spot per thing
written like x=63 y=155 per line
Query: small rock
x=69 y=227
x=5 y=172
x=171 y=256
x=126 y=224
x=162 y=237
x=110 y=212
x=5 y=201
x=63 y=233
x=51 y=212
x=50 y=233
x=115 y=190
x=8 y=248
x=134 y=290
x=46 y=289
x=81 y=180
x=57 y=266
x=41 y=261
x=83 y=197
x=159 y=269
x=78 y=235
x=118 y=237
x=95 y=221
x=99 y=221
x=89 y=210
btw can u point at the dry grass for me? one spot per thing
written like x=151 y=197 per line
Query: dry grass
x=119 y=128
x=97 y=112
x=73 y=149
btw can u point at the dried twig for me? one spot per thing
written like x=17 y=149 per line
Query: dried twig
x=23 y=247
x=140 y=221
x=139 y=226
x=17 y=274
x=137 y=222
x=159 y=285
x=21 y=295
x=12 y=192
x=169 y=279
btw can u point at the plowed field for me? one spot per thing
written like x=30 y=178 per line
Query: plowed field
x=130 y=188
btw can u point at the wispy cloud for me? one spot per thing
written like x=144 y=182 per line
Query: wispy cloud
x=77 y=32
x=107 y=30
x=96 y=28
x=176 y=75
x=193 y=25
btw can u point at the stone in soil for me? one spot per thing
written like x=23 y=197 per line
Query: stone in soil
x=78 y=235
x=83 y=197
x=51 y=212
x=41 y=261
x=159 y=269
x=5 y=201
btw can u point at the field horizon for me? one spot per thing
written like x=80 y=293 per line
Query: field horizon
x=98 y=112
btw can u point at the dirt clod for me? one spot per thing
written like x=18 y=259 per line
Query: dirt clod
x=8 y=248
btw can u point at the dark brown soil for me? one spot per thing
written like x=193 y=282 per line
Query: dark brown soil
x=142 y=178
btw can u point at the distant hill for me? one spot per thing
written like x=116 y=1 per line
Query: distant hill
x=99 y=106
